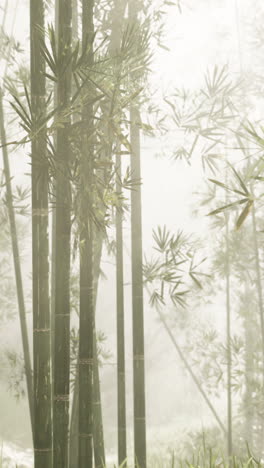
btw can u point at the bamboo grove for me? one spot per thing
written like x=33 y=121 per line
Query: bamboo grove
x=82 y=107
x=74 y=137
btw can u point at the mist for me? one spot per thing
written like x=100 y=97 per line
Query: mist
x=131 y=245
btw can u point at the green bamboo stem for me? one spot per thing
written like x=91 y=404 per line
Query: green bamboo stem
x=53 y=229
x=140 y=447
x=114 y=47
x=74 y=422
x=259 y=282
x=137 y=296
x=98 y=430
x=98 y=433
x=228 y=346
x=121 y=385
x=260 y=304
x=40 y=249
x=228 y=333
x=249 y=371
x=62 y=248
x=73 y=434
x=86 y=334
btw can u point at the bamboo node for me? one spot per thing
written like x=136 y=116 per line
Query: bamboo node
x=139 y=357
x=85 y=436
x=40 y=212
x=62 y=397
x=86 y=361
x=41 y=330
x=86 y=288
x=42 y=450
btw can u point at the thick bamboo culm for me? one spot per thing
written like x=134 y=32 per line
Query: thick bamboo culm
x=62 y=245
x=86 y=335
x=40 y=247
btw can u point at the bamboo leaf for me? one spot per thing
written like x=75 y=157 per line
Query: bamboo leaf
x=244 y=214
x=196 y=281
x=240 y=180
x=26 y=117
x=50 y=77
x=220 y=184
x=25 y=121
x=226 y=207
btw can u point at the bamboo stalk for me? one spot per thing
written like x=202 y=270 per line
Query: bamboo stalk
x=53 y=227
x=140 y=447
x=86 y=334
x=121 y=385
x=249 y=371
x=259 y=281
x=62 y=247
x=40 y=248
x=228 y=334
x=137 y=297
x=98 y=432
x=228 y=345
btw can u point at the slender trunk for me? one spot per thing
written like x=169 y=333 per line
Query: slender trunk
x=228 y=347
x=140 y=449
x=17 y=266
x=98 y=430
x=193 y=376
x=137 y=296
x=114 y=48
x=261 y=311
x=40 y=248
x=249 y=371
x=259 y=282
x=99 y=451
x=62 y=246
x=53 y=228
x=121 y=385
x=98 y=433
x=74 y=423
x=73 y=434
x=86 y=346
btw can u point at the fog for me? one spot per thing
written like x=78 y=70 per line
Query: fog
x=199 y=153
